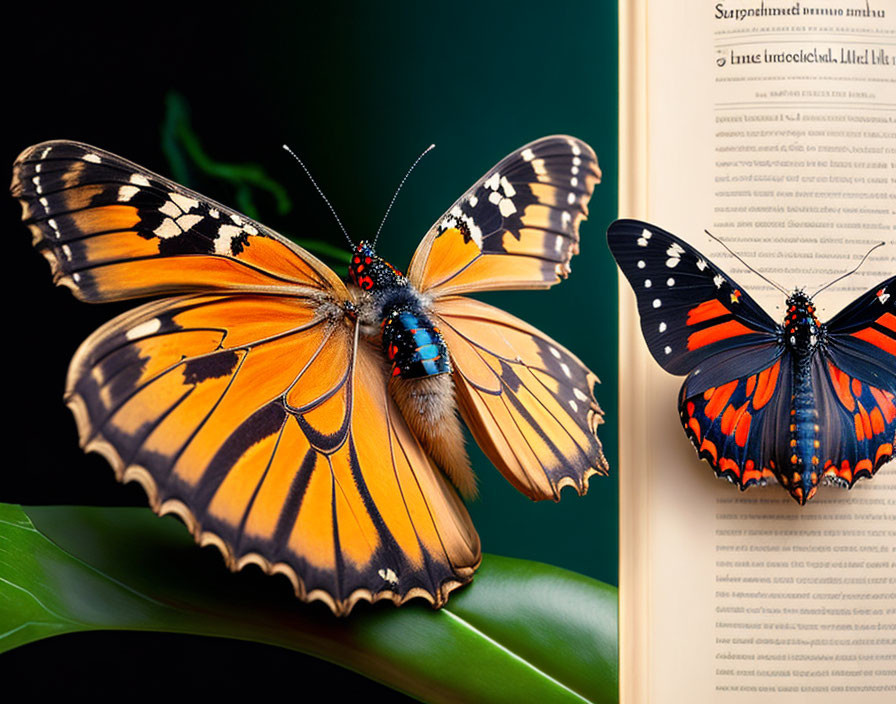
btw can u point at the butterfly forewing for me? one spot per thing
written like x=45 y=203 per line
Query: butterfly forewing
x=113 y=230
x=528 y=401
x=690 y=310
x=517 y=227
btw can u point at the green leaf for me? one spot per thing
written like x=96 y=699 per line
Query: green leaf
x=522 y=631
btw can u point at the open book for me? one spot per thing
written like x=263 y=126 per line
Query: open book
x=773 y=125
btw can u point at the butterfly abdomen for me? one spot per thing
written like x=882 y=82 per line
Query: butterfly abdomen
x=413 y=345
x=800 y=468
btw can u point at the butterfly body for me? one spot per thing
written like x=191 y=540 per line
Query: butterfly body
x=300 y=422
x=799 y=402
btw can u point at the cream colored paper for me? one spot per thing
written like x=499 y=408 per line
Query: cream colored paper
x=776 y=130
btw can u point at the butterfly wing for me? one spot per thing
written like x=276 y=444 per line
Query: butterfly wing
x=855 y=380
x=113 y=230
x=740 y=426
x=267 y=427
x=517 y=227
x=528 y=401
x=251 y=410
x=690 y=310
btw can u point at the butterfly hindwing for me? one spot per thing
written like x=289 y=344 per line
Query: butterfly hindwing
x=858 y=419
x=528 y=401
x=113 y=230
x=517 y=227
x=740 y=426
x=268 y=428
x=690 y=309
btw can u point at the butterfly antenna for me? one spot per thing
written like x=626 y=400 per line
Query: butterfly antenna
x=314 y=183
x=848 y=273
x=395 y=195
x=738 y=257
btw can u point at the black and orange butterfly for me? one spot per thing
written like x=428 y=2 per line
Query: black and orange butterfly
x=299 y=422
x=799 y=402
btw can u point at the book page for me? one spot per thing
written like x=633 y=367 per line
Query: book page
x=773 y=125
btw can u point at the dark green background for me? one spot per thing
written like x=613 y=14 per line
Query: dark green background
x=358 y=90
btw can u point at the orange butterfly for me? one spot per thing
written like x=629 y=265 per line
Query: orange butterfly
x=297 y=421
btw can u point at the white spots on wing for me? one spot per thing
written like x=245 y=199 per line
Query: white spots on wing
x=641 y=264
x=565 y=367
x=667 y=349
x=37 y=187
x=503 y=201
x=139 y=180
x=167 y=229
x=170 y=209
x=579 y=395
x=54 y=226
x=144 y=329
x=237 y=220
x=67 y=251
x=185 y=203
x=883 y=296
x=539 y=168
x=576 y=149
x=215 y=213
x=45 y=203
x=574 y=182
x=185 y=222
x=92 y=158
x=571 y=198
x=674 y=253
x=558 y=243
x=648 y=283
x=76 y=277
x=574 y=406
x=38 y=168
x=555 y=352
x=388 y=575
x=718 y=280
x=224 y=240
x=43 y=154
x=506 y=207
x=670 y=282
x=507 y=187
x=701 y=264
x=125 y=193
x=565 y=219
x=249 y=230
x=657 y=303
x=527 y=154
x=473 y=200
x=645 y=236
x=663 y=327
